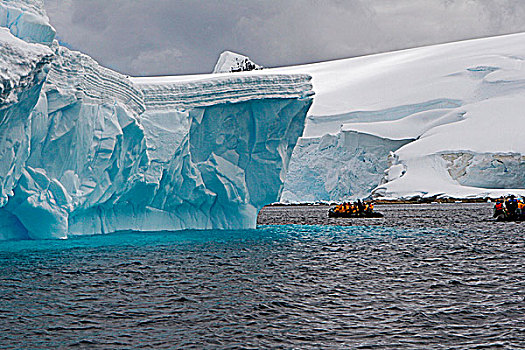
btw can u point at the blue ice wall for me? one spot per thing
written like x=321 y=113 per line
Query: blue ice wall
x=100 y=156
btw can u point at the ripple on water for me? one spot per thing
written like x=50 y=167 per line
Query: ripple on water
x=289 y=286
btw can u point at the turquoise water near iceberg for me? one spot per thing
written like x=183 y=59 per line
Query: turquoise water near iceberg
x=289 y=286
x=265 y=232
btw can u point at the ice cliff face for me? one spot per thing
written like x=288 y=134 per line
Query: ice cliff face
x=20 y=85
x=86 y=150
x=210 y=163
x=336 y=167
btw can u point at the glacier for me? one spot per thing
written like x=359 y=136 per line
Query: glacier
x=86 y=150
x=338 y=166
x=446 y=121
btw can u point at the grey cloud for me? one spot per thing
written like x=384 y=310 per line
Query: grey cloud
x=146 y=37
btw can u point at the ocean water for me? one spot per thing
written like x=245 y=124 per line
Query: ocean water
x=282 y=286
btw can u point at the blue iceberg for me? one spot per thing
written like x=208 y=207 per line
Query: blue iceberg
x=92 y=151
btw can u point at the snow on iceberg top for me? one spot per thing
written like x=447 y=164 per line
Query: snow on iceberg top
x=230 y=62
x=18 y=60
x=185 y=92
x=75 y=73
x=27 y=20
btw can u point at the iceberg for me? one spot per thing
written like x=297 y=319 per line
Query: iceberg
x=230 y=62
x=90 y=151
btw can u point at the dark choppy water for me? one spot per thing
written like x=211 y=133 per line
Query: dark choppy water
x=401 y=282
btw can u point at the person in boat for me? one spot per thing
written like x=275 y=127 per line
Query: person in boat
x=521 y=208
x=360 y=206
x=356 y=209
x=499 y=204
x=499 y=207
x=511 y=204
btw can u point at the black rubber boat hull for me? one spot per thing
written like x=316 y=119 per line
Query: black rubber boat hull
x=503 y=218
x=356 y=216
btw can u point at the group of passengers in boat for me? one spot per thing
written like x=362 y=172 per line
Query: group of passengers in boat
x=509 y=208
x=355 y=208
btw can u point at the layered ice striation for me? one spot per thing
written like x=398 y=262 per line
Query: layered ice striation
x=86 y=150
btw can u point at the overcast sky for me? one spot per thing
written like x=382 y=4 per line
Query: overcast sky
x=171 y=37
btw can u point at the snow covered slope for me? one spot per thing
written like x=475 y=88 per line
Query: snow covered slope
x=86 y=150
x=458 y=106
